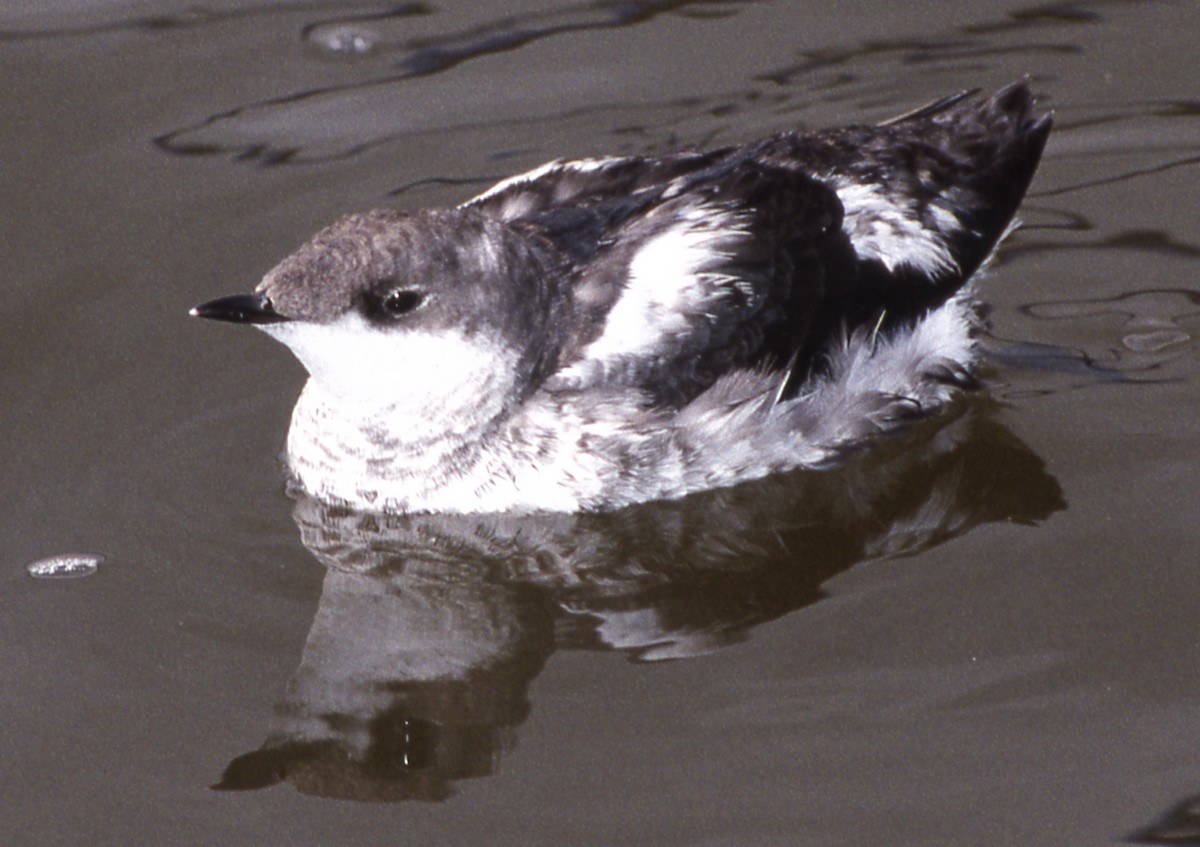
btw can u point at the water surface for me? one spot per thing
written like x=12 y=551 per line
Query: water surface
x=982 y=633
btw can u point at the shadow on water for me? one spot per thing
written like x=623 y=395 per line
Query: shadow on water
x=431 y=628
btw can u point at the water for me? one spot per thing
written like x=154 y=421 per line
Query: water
x=981 y=633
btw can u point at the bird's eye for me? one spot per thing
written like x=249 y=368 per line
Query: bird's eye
x=401 y=302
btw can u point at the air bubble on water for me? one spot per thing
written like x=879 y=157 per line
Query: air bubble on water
x=343 y=40
x=66 y=566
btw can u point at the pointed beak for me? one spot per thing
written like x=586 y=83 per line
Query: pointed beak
x=240 y=309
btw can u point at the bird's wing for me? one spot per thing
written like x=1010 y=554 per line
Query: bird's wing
x=683 y=267
x=564 y=183
x=674 y=282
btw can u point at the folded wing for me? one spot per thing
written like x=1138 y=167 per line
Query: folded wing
x=681 y=268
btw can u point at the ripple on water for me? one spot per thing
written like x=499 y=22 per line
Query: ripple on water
x=65 y=566
x=343 y=39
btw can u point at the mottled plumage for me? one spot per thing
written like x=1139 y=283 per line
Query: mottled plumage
x=601 y=332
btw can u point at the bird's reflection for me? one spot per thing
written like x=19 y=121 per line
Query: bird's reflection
x=432 y=627
x=1180 y=826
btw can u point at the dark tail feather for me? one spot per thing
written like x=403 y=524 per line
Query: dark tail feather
x=926 y=196
x=998 y=143
x=934 y=108
x=942 y=182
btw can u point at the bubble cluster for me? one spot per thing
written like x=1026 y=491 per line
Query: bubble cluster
x=65 y=566
x=343 y=40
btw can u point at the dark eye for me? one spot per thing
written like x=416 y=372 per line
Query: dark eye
x=401 y=302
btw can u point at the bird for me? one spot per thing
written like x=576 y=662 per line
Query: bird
x=602 y=332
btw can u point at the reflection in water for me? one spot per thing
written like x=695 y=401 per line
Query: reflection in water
x=1156 y=327
x=1179 y=826
x=1152 y=320
x=65 y=566
x=345 y=118
x=413 y=676
x=432 y=627
x=412 y=57
x=192 y=17
x=1185 y=162
x=422 y=56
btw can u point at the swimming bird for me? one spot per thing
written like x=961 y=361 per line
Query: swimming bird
x=607 y=331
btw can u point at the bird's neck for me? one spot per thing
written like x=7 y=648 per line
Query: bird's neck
x=391 y=455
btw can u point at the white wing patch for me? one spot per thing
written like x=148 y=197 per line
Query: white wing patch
x=521 y=203
x=673 y=280
x=883 y=227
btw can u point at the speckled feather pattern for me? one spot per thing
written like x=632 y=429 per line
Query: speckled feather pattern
x=607 y=331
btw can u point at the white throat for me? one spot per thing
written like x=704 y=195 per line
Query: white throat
x=392 y=413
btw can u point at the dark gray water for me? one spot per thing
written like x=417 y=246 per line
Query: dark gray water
x=983 y=633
